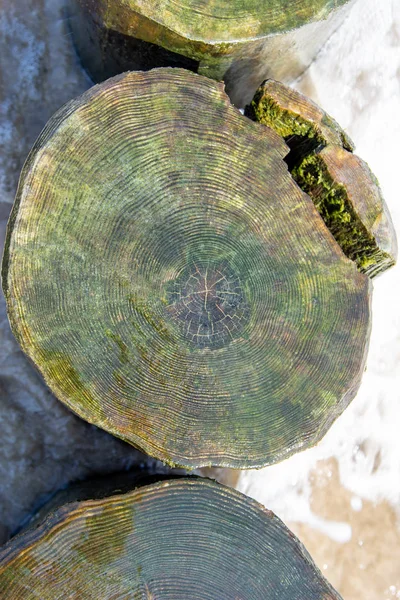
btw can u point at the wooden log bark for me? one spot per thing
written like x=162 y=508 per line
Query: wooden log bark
x=321 y=160
x=173 y=540
x=174 y=285
x=242 y=42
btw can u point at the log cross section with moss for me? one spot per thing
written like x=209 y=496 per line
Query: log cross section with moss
x=174 y=540
x=172 y=282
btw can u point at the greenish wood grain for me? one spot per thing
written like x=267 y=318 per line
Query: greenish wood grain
x=172 y=282
x=179 y=539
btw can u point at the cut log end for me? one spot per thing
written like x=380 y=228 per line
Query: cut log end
x=241 y=42
x=214 y=23
x=341 y=185
x=154 y=277
x=174 y=540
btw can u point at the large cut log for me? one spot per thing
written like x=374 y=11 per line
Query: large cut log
x=172 y=282
x=173 y=540
x=240 y=41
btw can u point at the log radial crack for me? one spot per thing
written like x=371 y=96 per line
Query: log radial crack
x=341 y=185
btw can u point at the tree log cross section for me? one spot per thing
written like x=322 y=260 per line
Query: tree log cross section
x=172 y=282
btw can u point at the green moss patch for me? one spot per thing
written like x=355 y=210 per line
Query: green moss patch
x=301 y=135
x=306 y=138
x=333 y=204
x=289 y=125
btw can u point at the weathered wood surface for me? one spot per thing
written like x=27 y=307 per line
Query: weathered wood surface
x=242 y=42
x=174 y=285
x=177 y=539
x=321 y=160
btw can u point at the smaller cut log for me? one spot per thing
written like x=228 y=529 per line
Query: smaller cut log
x=341 y=185
x=173 y=540
x=240 y=41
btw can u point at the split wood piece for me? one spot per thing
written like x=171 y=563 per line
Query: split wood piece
x=296 y=118
x=172 y=282
x=240 y=41
x=343 y=188
x=178 y=539
x=348 y=197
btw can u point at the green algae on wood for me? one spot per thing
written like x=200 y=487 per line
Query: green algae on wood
x=171 y=540
x=293 y=115
x=349 y=199
x=343 y=189
x=175 y=291
x=240 y=41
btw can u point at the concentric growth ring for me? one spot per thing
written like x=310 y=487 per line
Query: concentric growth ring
x=172 y=282
x=208 y=302
x=188 y=539
x=211 y=21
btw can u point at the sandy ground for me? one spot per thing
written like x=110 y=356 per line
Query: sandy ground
x=342 y=498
